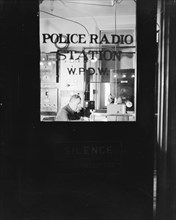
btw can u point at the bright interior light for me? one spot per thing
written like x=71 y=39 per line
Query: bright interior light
x=105 y=2
x=107 y=92
x=94 y=60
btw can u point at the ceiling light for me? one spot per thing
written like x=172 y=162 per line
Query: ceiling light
x=92 y=2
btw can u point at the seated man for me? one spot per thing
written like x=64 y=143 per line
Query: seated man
x=71 y=110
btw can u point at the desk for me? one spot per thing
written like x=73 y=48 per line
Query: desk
x=99 y=117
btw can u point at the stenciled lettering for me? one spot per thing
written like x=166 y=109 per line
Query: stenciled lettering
x=93 y=38
x=88 y=150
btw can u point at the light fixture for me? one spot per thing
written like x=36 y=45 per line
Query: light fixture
x=93 y=2
x=124 y=81
x=93 y=60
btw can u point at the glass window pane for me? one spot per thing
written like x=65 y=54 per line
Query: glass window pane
x=88 y=60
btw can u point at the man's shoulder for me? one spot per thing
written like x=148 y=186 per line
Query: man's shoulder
x=62 y=114
x=65 y=108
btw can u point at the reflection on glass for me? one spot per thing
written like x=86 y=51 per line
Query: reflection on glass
x=89 y=50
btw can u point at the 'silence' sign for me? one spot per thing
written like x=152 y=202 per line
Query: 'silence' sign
x=89 y=155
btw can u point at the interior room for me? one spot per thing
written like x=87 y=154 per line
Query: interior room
x=87 y=171
x=88 y=48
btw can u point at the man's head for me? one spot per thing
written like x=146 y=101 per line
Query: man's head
x=75 y=102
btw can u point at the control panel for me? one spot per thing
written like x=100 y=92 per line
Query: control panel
x=49 y=85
